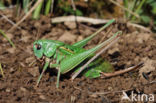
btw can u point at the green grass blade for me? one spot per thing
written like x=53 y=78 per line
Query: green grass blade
x=25 y=5
x=11 y=43
x=1 y=69
x=2 y=7
x=83 y=42
x=126 y=6
x=138 y=8
x=37 y=11
x=47 y=8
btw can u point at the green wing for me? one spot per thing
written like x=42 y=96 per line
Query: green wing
x=72 y=61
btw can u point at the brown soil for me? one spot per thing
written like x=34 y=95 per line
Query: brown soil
x=18 y=85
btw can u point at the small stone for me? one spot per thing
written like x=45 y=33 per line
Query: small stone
x=42 y=97
x=11 y=70
x=79 y=38
x=25 y=38
x=23 y=89
x=11 y=50
x=29 y=60
x=110 y=88
x=73 y=98
x=29 y=50
x=24 y=32
x=70 y=25
x=33 y=71
x=67 y=36
x=149 y=66
x=37 y=24
x=113 y=50
x=142 y=38
x=8 y=90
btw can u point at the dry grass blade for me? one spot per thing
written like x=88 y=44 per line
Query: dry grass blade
x=93 y=21
x=30 y=11
x=116 y=3
x=109 y=92
x=79 y=19
x=52 y=6
x=10 y=21
x=1 y=69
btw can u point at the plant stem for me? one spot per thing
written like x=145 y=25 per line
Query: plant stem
x=138 y=8
x=11 y=43
x=47 y=7
x=25 y=5
x=26 y=15
x=126 y=9
x=126 y=6
x=1 y=69
x=37 y=11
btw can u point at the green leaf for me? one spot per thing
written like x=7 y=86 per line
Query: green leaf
x=95 y=68
x=155 y=22
x=154 y=10
x=153 y=4
x=79 y=13
x=11 y=43
x=92 y=73
x=145 y=19
x=36 y=13
x=149 y=1
x=25 y=5
x=140 y=11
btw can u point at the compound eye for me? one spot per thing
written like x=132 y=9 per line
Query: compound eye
x=38 y=46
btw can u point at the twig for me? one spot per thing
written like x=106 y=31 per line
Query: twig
x=79 y=19
x=104 y=93
x=77 y=88
x=153 y=82
x=116 y=3
x=139 y=26
x=10 y=21
x=94 y=57
x=26 y=15
x=73 y=5
x=93 y=29
x=92 y=21
x=106 y=75
x=74 y=8
x=104 y=36
x=52 y=6
x=1 y=69
x=30 y=3
x=33 y=62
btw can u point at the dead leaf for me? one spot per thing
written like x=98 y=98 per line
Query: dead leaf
x=33 y=71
